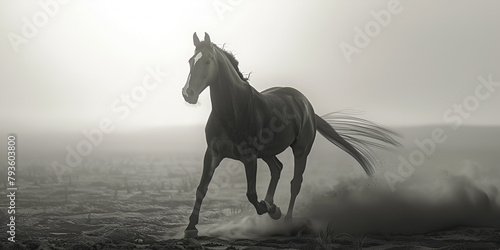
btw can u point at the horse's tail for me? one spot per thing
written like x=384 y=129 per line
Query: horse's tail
x=355 y=136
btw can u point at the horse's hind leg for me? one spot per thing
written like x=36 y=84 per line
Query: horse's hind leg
x=301 y=149
x=296 y=183
x=275 y=166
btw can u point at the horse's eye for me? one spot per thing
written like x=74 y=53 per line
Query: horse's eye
x=207 y=62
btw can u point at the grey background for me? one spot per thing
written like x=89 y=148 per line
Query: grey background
x=427 y=59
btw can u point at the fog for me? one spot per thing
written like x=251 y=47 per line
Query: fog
x=69 y=73
x=72 y=69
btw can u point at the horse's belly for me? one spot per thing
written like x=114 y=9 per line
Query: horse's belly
x=265 y=143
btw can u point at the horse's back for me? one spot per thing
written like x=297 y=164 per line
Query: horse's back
x=282 y=91
x=278 y=96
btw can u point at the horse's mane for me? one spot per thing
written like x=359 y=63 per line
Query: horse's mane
x=231 y=59
x=234 y=62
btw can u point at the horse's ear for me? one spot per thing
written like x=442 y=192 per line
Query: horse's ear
x=196 y=40
x=207 y=38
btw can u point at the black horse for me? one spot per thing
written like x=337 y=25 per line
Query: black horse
x=246 y=125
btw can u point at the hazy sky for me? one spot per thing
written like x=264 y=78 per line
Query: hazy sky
x=80 y=58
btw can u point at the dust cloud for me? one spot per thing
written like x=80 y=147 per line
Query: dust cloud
x=456 y=186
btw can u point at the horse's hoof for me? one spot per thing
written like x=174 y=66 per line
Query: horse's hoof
x=272 y=210
x=263 y=207
x=275 y=212
x=191 y=233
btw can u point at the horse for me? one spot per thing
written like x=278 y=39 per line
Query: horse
x=247 y=125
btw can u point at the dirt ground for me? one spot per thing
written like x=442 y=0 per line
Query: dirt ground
x=113 y=236
x=143 y=207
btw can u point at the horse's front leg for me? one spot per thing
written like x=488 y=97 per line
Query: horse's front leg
x=210 y=163
x=251 y=172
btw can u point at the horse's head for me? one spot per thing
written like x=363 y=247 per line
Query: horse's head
x=203 y=69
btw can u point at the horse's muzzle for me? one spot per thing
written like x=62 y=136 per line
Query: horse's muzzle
x=191 y=97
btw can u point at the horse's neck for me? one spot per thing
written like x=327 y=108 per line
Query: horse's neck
x=230 y=95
